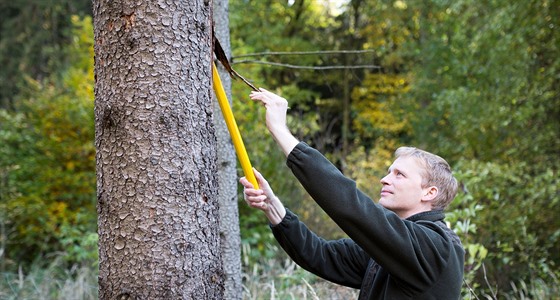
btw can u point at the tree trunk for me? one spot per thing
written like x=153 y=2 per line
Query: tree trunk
x=227 y=172
x=156 y=151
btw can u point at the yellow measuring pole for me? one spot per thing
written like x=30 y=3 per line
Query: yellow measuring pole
x=232 y=127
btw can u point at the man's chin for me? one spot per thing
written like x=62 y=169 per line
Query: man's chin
x=385 y=203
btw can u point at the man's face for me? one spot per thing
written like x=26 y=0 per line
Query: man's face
x=402 y=188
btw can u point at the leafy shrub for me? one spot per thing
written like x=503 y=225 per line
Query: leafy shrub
x=48 y=161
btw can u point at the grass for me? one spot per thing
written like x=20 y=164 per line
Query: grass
x=52 y=282
x=274 y=279
x=284 y=280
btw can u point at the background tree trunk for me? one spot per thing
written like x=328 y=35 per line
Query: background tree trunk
x=227 y=173
x=156 y=151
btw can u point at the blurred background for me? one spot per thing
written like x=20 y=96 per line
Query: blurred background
x=476 y=82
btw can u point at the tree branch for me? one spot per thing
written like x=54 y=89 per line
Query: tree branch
x=248 y=61
x=284 y=53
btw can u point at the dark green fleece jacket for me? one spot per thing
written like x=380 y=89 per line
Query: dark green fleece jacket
x=385 y=256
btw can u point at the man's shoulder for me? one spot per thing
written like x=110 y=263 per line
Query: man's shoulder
x=440 y=229
x=449 y=233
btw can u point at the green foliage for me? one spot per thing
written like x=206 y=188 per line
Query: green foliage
x=515 y=216
x=298 y=30
x=488 y=79
x=49 y=160
x=461 y=219
x=315 y=96
x=32 y=38
x=377 y=114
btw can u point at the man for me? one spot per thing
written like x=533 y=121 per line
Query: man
x=397 y=249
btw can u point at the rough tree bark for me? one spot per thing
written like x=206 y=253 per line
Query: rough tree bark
x=227 y=173
x=156 y=151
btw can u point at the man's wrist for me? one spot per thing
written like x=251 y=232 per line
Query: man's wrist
x=279 y=130
x=284 y=139
x=276 y=213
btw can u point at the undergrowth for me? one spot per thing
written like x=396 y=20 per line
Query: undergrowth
x=271 y=278
x=51 y=282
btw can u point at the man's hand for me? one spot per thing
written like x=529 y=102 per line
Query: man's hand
x=263 y=198
x=276 y=109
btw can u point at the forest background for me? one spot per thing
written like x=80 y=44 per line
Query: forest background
x=477 y=82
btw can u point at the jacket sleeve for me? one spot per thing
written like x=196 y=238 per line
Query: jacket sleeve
x=414 y=253
x=340 y=261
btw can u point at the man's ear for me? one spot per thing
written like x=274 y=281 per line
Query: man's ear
x=430 y=193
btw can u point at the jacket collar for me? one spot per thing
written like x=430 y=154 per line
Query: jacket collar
x=431 y=215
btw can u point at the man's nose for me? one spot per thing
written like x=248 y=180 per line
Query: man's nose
x=384 y=180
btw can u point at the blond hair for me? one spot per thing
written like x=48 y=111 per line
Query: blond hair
x=437 y=172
